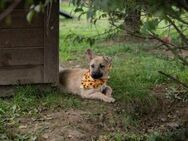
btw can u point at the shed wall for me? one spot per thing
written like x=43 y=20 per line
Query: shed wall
x=29 y=52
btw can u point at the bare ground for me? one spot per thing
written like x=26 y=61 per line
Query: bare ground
x=97 y=119
x=73 y=125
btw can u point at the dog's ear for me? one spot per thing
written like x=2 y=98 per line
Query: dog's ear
x=108 y=59
x=89 y=54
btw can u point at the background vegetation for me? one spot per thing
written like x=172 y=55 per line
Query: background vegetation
x=141 y=92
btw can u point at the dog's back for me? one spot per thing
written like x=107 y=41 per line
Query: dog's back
x=70 y=80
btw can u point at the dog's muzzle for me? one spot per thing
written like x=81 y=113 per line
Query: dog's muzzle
x=96 y=75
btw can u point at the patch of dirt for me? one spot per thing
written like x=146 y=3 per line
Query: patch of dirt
x=122 y=40
x=98 y=119
x=75 y=63
x=71 y=125
x=59 y=125
x=170 y=115
x=166 y=52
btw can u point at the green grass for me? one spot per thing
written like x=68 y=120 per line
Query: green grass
x=83 y=28
x=29 y=101
x=134 y=73
x=155 y=136
x=135 y=70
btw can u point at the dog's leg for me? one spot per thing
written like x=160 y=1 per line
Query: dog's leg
x=99 y=96
x=107 y=90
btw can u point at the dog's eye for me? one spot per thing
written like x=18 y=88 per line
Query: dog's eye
x=92 y=66
x=102 y=66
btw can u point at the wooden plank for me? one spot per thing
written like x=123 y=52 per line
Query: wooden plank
x=21 y=37
x=21 y=5
x=21 y=56
x=18 y=75
x=51 y=43
x=18 y=20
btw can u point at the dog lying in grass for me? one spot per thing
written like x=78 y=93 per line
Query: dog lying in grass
x=89 y=83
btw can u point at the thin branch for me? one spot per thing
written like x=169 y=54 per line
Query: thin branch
x=9 y=9
x=169 y=46
x=179 y=19
x=182 y=48
x=178 y=30
x=174 y=79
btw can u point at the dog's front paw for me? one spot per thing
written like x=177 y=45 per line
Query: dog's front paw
x=109 y=100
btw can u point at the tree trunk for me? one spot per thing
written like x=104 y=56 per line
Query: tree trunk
x=132 y=21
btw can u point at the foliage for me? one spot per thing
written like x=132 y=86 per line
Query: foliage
x=34 y=7
x=133 y=75
x=117 y=9
x=160 y=19
x=133 y=67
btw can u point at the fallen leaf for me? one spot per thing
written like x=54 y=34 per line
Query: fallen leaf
x=22 y=126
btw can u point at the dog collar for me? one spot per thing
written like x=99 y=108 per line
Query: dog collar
x=88 y=82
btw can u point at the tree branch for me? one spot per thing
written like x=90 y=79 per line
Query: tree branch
x=174 y=79
x=7 y=11
x=178 y=30
x=169 y=46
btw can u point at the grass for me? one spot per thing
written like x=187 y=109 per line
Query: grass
x=155 y=136
x=134 y=73
x=29 y=101
x=83 y=28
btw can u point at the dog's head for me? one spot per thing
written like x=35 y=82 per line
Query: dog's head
x=99 y=65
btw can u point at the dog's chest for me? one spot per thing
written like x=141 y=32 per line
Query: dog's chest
x=88 y=82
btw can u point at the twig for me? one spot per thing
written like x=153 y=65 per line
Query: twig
x=169 y=46
x=48 y=14
x=9 y=9
x=174 y=79
x=182 y=48
x=178 y=30
x=179 y=19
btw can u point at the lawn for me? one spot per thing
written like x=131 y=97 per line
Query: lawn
x=35 y=114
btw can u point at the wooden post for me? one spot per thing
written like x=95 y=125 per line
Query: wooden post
x=51 y=43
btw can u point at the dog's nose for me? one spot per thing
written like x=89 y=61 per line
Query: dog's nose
x=96 y=75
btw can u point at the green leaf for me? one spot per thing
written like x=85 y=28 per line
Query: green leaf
x=14 y=107
x=78 y=10
x=91 y=42
x=29 y=2
x=90 y=13
x=30 y=16
x=2 y=4
x=104 y=15
x=47 y=2
x=150 y=26
x=8 y=20
x=38 y=8
x=2 y=111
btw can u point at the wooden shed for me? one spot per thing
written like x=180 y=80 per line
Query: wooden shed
x=29 y=51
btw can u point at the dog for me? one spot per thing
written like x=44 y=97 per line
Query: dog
x=89 y=83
